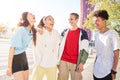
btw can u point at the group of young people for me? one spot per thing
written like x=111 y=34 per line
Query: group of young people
x=53 y=51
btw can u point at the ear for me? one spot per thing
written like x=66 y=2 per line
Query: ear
x=105 y=21
x=77 y=20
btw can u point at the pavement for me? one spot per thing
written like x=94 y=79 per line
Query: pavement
x=4 y=50
x=87 y=73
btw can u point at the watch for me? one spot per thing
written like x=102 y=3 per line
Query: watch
x=113 y=72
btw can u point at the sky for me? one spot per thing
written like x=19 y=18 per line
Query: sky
x=11 y=11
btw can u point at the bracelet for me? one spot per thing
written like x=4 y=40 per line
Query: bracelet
x=113 y=72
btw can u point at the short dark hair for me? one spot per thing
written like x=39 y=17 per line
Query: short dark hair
x=101 y=13
x=75 y=14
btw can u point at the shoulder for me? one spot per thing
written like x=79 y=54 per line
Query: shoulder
x=21 y=29
x=96 y=33
x=84 y=34
x=83 y=31
x=113 y=33
x=55 y=31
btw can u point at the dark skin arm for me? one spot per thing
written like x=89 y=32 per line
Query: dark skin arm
x=115 y=62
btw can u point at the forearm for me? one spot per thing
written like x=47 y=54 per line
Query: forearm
x=10 y=58
x=116 y=59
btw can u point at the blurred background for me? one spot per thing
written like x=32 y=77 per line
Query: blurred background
x=10 y=11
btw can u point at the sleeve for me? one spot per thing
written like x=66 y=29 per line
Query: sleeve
x=84 y=41
x=16 y=40
x=63 y=32
x=59 y=38
x=84 y=35
x=115 y=40
x=37 y=56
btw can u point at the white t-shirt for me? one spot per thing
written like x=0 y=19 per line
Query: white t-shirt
x=105 y=44
x=46 y=50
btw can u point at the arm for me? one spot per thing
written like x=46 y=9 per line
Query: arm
x=83 y=46
x=116 y=58
x=10 y=59
x=116 y=48
x=82 y=58
x=40 y=30
x=115 y=63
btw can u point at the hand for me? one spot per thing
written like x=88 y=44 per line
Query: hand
x=80 y=67
x=40 y=30
x=9 y=72
x=113 y=72
x=113 y=76
x=58 y=66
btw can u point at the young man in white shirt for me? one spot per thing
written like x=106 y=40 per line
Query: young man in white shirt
x=107 y=48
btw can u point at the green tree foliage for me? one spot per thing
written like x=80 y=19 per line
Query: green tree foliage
x=113 y=9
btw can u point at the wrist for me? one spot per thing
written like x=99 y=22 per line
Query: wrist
x=113 y=71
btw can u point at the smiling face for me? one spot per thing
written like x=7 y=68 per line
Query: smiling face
x=49 y=22
x=31 y=18
x=73 y=20
x=27 y=19
x=100 y=18
x=99 y=22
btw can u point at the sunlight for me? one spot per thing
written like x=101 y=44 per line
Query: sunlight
x=12 y=9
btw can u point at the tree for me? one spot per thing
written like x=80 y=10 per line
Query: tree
x=3 y=28
x=113 y=8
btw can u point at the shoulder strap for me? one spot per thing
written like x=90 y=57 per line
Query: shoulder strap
x=84 y=35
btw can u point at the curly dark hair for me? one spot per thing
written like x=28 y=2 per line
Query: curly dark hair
x=101 y=13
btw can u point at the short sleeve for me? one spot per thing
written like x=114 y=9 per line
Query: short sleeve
x=115 y=40
x=16 y=40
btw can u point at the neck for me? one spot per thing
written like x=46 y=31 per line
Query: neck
x=74 y=27
x=104 y=29
x=48 y=29
x=29 y=27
